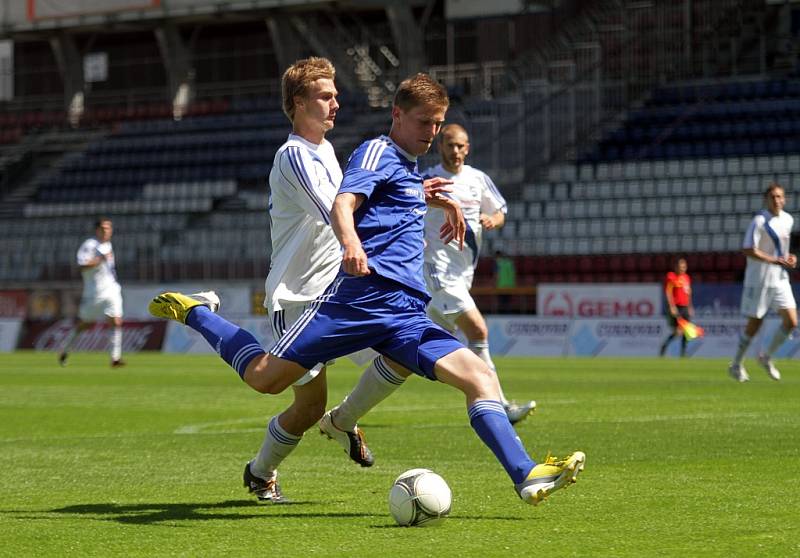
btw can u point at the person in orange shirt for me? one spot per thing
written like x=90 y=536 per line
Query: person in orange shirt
x=678 y=289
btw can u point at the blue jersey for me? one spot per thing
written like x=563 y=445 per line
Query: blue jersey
x=391 y=221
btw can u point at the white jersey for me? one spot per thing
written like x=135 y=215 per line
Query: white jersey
x=770 y=234
x=99 y=281
x=475 y=191
x=306 y=255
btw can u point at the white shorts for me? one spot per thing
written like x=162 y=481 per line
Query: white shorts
x=448 y=303
x=758 y=300
x=283 y=319
x=105 y=306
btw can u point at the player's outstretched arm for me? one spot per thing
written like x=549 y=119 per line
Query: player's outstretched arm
x=354 y=259
x=435 y=186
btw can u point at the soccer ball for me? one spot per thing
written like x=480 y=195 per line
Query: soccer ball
x=419 y=497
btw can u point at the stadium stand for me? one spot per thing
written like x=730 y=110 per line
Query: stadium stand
x=710 y=120
x=622 y=133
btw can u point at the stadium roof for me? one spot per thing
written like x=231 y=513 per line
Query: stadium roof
x=33 y=18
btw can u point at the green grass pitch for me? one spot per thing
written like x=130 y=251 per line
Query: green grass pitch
x=147 y=461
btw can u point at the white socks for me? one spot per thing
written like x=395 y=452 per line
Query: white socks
x=73 y=333
x=744 y=342
x=278 y=444
x=116 y=343
x=377 y=383
x=777 y=340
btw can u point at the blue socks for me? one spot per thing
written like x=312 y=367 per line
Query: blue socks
x=235 y=345
x=489 y=420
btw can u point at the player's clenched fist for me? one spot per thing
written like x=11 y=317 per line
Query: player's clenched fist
x=354 y=261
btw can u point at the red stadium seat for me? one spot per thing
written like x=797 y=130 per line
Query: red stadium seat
x=723 y=261
x=629 y=263
x=600 y=264
x=739 y=261
x=528 y=265
x=644 y=262
x=661 y=263
x=569 y=264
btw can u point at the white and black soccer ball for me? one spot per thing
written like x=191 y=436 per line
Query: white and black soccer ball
x=419 y=497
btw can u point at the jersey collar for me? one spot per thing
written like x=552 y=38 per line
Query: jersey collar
x=301 y=139
x=402 y=151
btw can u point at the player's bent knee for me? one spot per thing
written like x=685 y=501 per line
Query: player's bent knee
x=271 y=374
x=485 y=377
x=261 y=386
x=465 y=371
x=264 y=383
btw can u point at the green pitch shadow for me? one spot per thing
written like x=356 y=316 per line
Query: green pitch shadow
x=145 y=514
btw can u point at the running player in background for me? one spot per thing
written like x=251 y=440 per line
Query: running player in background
x=448 y=270
x=678 y=290
x=766 y=281
x=102 y=295
x=378 y=299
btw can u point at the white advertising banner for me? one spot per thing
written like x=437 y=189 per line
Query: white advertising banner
x=537 y=336
x=528 y=335
x=599 y=300
x=182 y=339
x=9 y=334
x=616 y=337
x=234 y=299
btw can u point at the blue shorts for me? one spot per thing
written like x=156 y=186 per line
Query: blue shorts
x=359 y=312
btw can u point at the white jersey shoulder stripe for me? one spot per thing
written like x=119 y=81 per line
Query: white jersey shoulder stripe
x=296 y=162
x=372 y=155
x=758 y=220
x=495 y=191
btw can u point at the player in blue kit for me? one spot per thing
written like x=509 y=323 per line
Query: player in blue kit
x=378 y=299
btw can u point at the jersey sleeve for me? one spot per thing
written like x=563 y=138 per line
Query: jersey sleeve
x=360 y=181
x=365 y=169
x=87 y=252
x=753 y=234
x=492 y=200
x=314 y=187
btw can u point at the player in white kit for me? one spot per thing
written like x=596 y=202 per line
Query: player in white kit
x=306 y=257
x=448 y=270
x=766 y=281
x=102 y=294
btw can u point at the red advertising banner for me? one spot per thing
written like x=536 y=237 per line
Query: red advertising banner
x=599 y=300
x=13 y=304
x=51 y=335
